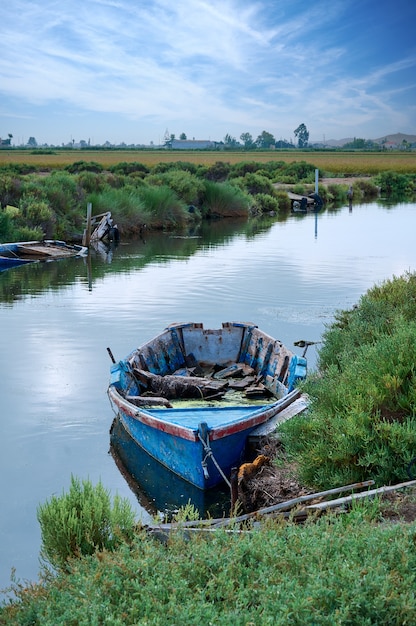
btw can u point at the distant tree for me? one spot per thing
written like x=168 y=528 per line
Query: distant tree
x=247 y=140
x=283 y=143
x=302 y=135
x=229 y=141
x=182 y=136
x=360 y=144
x=265 y=140
x=32 y=142
x=10 y=136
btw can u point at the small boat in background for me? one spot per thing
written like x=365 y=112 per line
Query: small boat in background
x=22 y=252
x=191 y=396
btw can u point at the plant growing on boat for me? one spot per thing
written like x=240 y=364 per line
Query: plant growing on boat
x=82 y=522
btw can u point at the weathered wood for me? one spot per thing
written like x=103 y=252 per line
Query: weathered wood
x=283 y=508
x=149 y=401
x=359 y=496
x=241 y=383
x=268 y=429
x=171 y=386
x=234 y=370
x=257 y=391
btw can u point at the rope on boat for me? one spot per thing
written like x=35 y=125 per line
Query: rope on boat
x=203 y=429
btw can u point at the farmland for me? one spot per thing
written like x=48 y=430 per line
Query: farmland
x=329 y=162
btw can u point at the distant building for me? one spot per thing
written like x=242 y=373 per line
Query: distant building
x=192 y=144
x=5 y=142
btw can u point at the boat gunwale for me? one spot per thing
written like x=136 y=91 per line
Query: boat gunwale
x=257 y=417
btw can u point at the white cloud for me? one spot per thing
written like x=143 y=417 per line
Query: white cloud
x=203 y=67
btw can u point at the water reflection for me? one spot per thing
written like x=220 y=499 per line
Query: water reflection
x=58 y=318
x=157 y=489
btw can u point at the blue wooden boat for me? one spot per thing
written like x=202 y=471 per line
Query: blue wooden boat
x=22 y=252
x=202 y=439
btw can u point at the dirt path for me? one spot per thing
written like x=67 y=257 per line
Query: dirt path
x=343 y=181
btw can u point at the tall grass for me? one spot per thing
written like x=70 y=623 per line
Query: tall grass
x=331 y=162
x=224 y=200
x=82 y=522
x=127 y=208
x=331 y=572
x=362 y=421
x=164 y=208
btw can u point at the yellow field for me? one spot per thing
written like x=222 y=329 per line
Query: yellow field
x=329 y=162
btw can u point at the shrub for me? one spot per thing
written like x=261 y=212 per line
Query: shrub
x=243 y=168
x=284 y=201
x=255 y=183
x=224 y=200
x=126 y=207
x=263 y=203
x=90 y=182
x=128 y=168
x=164 y=208
x=83 y=166
x=37 y=214
x=394 y=184
x=301 y=171
x=82 y=522
x=218 y=172
x=365 y=189
x=10 y=190
x=362 y=421
x=187 y=186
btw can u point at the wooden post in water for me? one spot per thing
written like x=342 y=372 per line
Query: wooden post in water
x=87 y=232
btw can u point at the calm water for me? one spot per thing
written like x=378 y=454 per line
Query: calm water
x=57 y=320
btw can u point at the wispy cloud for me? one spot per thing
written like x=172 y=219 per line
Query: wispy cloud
x=203 y=67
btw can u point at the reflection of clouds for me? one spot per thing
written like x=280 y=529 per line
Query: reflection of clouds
x=286 y=266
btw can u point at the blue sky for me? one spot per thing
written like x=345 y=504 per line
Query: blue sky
x=128 y=70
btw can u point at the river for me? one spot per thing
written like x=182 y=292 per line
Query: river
x=57 y=319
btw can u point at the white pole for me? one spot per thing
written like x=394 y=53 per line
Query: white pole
x=316 y=180
x=87 y=231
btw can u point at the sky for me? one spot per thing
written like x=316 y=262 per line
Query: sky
x=133 y=70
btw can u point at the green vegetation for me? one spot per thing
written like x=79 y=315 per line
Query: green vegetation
x=52 y=204
x=349 y=569
x=362 y=421
x=82 y=522
x=335 y=571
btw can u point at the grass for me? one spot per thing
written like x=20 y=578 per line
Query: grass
x=362 y=420
x=333 y=571
x=333 y=162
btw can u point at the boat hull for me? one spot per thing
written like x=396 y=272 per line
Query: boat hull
x=202 y=444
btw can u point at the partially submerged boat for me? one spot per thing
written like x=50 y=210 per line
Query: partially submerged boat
x=19 y=253
x=176 y=395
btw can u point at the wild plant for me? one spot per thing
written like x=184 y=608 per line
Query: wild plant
x=83 y=521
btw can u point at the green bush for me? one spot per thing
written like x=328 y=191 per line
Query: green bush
x=218 y=172
x=362 y=420
x=126 y=169
x=127 y=208
x=82 y=522
x=395 y=184
x=187 y=186
x=36 y=214
x=10 y=190
x=284 y=201
x=83 y=166
x=255 y=184
x=335 y=571
x=164 y=208
x=224 y=200
x=263 y=203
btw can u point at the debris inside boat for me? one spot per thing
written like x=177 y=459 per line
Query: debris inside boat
x=191 y=396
